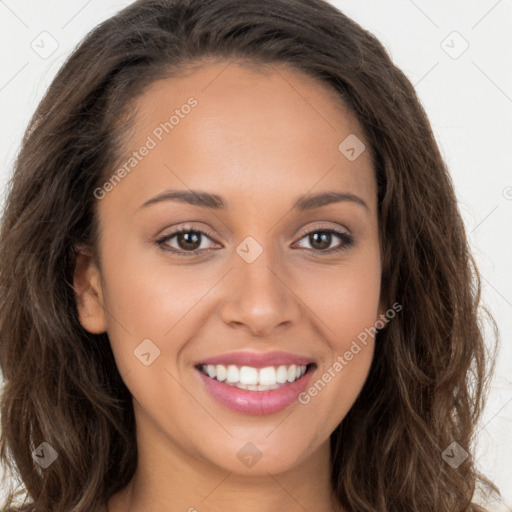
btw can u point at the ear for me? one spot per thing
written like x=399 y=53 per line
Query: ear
x=88 y=292
x=382 y=308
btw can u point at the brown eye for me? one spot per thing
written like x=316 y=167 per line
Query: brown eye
x=321 y=239
x=187 y=241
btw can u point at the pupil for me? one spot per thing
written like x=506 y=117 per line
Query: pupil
x=189 y=237
x=325 y=240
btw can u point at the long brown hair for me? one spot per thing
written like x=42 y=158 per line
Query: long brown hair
x=431 y=368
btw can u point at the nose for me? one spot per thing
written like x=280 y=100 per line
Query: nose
x=260 y=298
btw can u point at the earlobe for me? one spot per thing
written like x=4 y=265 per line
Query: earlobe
x=88 y=292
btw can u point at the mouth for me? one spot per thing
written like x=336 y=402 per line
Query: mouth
x=250 y=378
x=252 y=390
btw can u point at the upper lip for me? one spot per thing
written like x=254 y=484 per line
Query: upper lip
x=257 y=359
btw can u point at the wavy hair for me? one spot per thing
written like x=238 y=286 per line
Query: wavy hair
x=431 y=368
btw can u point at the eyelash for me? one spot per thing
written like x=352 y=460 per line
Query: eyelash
x=347 y=239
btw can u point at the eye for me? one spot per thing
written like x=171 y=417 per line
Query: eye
x=321 y=239
x=189 y=240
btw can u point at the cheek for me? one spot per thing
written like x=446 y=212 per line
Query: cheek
x=146 y=293
x=144 y=298
x=346 y=302
x=345 y=298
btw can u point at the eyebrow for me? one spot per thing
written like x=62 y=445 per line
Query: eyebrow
x=214 y=201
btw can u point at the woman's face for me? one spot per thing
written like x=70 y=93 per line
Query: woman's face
x=264 y=145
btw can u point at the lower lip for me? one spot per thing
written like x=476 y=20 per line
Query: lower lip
x=256 y=402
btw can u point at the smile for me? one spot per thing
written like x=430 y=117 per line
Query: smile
x=254 y=379
x=249 y=390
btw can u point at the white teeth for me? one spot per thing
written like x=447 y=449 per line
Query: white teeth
x=267 y=376
x=221 y=372
x=259 y=387
x=248 y=375
x=254 y=379
x=212 y=371
x=233 y=374
x=282 y=374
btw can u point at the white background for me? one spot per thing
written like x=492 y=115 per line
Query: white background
x=468 y=98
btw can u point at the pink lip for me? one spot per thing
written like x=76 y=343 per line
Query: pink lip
x=257 y=359
x=256 y=402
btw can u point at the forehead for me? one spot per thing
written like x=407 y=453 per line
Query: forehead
x=251 y=128
x=238 y=88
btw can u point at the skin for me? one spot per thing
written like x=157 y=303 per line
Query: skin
x=260 y=140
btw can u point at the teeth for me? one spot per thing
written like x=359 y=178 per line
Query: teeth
x=254 y=379
x=282 y=374
x=234 y=374
x=211 y=370
x=221 y=372
x=249 y=376
x=268 y=376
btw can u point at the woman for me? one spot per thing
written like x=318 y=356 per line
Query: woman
x=234 y=275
